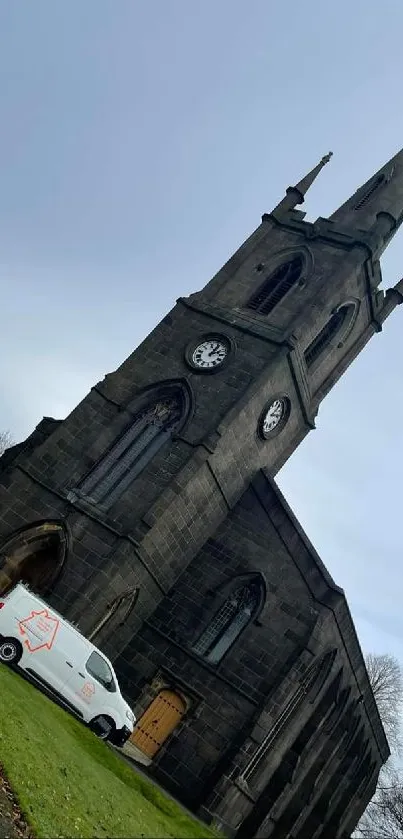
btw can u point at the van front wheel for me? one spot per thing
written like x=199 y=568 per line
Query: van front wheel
x=103 y=727
x=10 y=651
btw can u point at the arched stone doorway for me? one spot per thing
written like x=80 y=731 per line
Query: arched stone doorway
x=34 y=556
x=158 y=722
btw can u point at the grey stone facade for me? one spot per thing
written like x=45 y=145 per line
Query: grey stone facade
x=279 y=736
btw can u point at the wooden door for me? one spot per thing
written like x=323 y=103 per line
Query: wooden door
x=158 y=722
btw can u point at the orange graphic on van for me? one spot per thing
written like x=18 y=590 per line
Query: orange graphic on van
x=40 y=629
x=88 y=690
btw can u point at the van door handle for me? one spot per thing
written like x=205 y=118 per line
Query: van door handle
x=81 y=674
x=69 y=663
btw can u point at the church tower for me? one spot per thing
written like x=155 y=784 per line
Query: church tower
x=128 y=505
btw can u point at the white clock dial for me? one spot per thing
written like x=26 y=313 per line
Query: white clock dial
x=273 y=416
x=209 y=354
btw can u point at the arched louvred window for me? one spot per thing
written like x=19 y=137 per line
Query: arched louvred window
x=231 y=619
x=276 y=286
x=370 y=191
x=326 y=334
x=150 y=429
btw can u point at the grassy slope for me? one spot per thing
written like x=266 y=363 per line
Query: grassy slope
x=68 y=783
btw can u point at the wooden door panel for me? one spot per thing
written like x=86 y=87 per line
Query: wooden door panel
x=158 y=722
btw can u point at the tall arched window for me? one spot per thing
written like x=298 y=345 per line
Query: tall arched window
x=338 y=710
x=316 y=676
x=326 y=334
x=276 y=286
x=231 y=619
x=120 y=609
x=149 y=430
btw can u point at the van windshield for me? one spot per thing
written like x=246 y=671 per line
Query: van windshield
x=99 y=669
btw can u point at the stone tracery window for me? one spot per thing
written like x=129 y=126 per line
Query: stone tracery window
x=228 y=623
x=276 y=286
x=150 y=429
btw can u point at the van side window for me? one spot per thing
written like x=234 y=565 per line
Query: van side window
x=97 y=667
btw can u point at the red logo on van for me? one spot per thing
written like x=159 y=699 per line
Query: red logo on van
x=41 y=629
x=88 y=690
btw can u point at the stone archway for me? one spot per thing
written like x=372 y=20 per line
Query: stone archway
x=34 y=556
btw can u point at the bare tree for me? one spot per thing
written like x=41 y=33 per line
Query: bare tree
x=385 y=676
x=383 y=818
x=5 y=441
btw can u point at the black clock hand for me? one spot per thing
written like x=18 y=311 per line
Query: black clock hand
x=217 y=346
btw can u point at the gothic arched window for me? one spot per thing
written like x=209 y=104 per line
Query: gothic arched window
x=326 y=334
x=149 y=430
x=232 y=618
x=276 y=286
x=120 y=609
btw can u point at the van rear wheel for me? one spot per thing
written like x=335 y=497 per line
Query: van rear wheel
x=102 y=726
x=10 y=651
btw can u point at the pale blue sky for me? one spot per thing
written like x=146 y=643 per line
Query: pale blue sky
x=140 y=143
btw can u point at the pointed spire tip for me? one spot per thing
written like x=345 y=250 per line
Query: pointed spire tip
x=303 y=185
x=296 y=194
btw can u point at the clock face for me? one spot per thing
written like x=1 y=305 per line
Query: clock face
x=209 y=354
x=272 y=417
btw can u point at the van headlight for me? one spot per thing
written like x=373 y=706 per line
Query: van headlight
x=130 y=716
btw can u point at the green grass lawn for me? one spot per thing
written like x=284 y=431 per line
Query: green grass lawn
x=70 y=784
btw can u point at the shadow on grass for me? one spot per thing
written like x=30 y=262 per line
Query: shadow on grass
x=128 y=776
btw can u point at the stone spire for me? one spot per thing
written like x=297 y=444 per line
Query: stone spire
x=296 y=194
x=377 y=206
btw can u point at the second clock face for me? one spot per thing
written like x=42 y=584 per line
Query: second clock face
x=209 y=354
x=273 y=416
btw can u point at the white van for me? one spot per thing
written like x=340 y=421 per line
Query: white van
x=55 y=655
